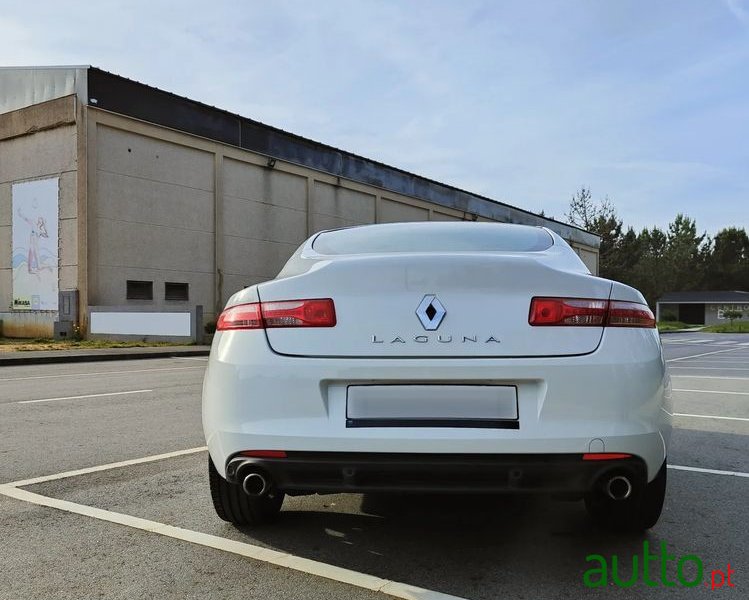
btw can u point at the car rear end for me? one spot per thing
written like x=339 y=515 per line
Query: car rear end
x=437 y=369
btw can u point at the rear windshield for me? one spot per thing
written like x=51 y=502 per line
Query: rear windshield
x=433 y=237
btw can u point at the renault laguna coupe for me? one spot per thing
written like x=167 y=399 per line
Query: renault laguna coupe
x=438 y=357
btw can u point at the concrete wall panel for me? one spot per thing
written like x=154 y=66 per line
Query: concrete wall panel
x=68 y=278
x=126 y=198
x=438 y=216
x=336 y=201
x=254 y=258
x=395 y=212
x=233 y=282
x=320 y=222
x=68 y=195
x=260 y=221
x=114 y=287
x=144 y=157
x=589 y=258
x=149 y=246
x=68 y=233
x=5 y=258
x=5 y=210
x=263 y=184
x=42 y=154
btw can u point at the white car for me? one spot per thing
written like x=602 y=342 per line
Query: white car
x=438 y=357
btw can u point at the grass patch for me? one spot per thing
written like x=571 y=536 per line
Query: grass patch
x=674 y=325
x=737 y=327
x=24 y=345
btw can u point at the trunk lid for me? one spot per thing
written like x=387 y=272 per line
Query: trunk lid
x=485 y=298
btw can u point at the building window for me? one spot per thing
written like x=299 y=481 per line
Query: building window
x=176 y=291
x=139 y=290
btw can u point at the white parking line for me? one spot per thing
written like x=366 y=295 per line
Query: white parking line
x=718 y=361
x=282 y=559
x=106 y=467
x=267 y=555
x=708 y=377
x=203 y=358
x=703 y=354
x=710 y=471
x=96 y=373
x=710 y=417
x=713 y=368
x=86 y=396
x=711 y=392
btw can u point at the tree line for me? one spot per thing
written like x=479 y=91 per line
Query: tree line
x=656 y=261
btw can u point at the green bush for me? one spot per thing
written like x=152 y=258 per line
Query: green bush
x=669 y=316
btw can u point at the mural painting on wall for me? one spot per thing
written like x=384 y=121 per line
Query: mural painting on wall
x=35 y=244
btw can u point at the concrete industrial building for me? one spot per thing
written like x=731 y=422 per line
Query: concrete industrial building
x=164 y=203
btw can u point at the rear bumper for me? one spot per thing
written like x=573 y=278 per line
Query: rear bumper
x=616 y=399
x=359 y=472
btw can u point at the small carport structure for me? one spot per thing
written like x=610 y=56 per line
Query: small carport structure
x=703 y=307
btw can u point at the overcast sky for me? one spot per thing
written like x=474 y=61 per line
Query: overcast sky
x=646 y=102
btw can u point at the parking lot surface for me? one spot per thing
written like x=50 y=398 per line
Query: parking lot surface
x=146 y=528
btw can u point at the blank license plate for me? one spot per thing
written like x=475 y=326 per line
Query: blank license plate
x=431 y=402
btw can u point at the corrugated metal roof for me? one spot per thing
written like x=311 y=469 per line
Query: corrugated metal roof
x=707 y=297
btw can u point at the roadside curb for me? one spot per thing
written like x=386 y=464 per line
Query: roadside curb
x=96 y=356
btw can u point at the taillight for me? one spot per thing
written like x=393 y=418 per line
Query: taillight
x=567 y=311
x=299 y=313
x=287 y=313
x=629 y=314
x=242 y=316
x=588 y=312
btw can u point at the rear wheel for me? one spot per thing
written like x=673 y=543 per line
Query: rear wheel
x=233 y=505
x=637 y=513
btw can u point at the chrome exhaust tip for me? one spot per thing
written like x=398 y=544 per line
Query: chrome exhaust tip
x=255 y=484
x=619 y=487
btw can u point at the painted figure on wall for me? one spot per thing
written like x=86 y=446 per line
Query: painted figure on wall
x=35 y=244
x=38 y=230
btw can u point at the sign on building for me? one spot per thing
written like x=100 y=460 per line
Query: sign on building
x=35 y=244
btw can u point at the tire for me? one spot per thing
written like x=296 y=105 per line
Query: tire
x=236 y=507
x=637 y=513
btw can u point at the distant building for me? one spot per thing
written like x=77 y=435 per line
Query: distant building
x=702 y=308
x=138 y=200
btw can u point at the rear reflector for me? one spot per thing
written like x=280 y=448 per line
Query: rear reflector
x=264 y=453
x=589 y=313
x=319 y=312
x=605 y=456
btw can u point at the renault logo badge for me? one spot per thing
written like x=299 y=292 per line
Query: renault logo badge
x=430 y=312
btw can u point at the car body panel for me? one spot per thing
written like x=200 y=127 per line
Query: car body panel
x=579 y=389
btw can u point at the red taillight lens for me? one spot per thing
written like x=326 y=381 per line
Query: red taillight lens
x=299 y=313
x=287 y=313
x=588 y=312
x=629 y=314
x=567 y=311
x=242 y=316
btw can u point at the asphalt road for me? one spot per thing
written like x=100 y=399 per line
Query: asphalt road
x=56 y=418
